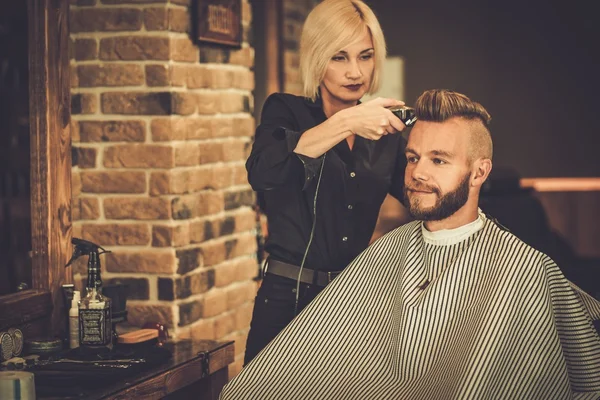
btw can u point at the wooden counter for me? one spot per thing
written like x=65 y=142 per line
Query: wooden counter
x=197 y=369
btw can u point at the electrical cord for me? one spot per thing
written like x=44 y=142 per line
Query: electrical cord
x=310 y=238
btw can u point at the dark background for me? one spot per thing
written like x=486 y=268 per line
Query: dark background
x=531 y=64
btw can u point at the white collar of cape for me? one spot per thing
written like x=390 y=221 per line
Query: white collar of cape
x=447 y=237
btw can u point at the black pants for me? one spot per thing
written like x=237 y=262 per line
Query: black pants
x=274 y=309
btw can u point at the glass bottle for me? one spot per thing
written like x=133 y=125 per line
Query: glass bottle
x=95 y=318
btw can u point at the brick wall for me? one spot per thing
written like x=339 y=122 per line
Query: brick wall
x=161 y=131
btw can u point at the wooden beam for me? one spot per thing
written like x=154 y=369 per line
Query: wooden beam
x=50 y=118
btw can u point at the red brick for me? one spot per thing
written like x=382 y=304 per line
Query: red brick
x=203 y=330
x=210 y=152
x=138 y=156
x=83 y=157
x=117 y=234
x=244 y=56
x=213 y=253
x=113 y=182
x=244 y=126
x=243 y=79
x=243 y=316
x=245 y=244
x=166 y=129
x=75 y=184
x=105 y=19
x=240 y=175
x=183 y=103
x=157 y=75
x=110 y=75
x=84 y=103
x=136 y=208
x=190 y=312
x=156 y=19
x=142 y=261
x=240 y=293
x=86 y=49
x=231 y=102
x=171 y=235
x=240 y=338
x=112 y=131
x=196 y=205
x=199 y=128
x=235 y=150
x=224 y=324
x=160 y=183
x=179 y=20
x=208 y=102
x=187 y=154
x=135 y=48
x=90 y=208
x=245 y=220
x=183 y=50
x=75 y=133
x=137 y=103
x=215 y=303
x=179 y=74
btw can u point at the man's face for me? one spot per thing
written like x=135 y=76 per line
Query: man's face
x=437 y=177
x=348 y=74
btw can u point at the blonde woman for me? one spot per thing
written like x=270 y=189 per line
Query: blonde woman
x=323 y=163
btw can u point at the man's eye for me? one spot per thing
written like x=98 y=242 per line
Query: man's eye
x=439 y=161
x=411 y=159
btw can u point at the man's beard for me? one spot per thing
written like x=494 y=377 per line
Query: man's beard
x=444 y=207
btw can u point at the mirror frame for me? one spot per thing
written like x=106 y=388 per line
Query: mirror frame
x=40 y=309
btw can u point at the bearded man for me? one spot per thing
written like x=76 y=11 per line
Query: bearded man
x=450 y=306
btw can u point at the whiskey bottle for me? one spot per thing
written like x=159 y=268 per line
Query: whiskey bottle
x=95 y=319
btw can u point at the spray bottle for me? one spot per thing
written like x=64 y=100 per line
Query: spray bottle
x=74 y=321
x=95 y=318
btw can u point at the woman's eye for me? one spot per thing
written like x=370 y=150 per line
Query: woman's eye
x=366 y=57
x=338 y=58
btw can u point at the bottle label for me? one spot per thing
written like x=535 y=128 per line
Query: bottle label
x=73 y=332
x=94 y=327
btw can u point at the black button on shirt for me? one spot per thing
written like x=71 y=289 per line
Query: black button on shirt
x=356 y=179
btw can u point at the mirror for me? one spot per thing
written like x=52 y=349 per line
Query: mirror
x=15 y=202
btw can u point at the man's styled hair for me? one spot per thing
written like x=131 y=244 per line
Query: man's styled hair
x=439 y=105
x=329 y=27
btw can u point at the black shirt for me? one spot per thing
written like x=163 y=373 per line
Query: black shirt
x=353 y=185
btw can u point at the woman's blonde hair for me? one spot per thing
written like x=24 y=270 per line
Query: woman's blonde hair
x=331 y=26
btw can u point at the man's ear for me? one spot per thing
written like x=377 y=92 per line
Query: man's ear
x=481 y=170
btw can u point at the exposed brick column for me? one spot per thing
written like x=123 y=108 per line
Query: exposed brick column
x=161 y=131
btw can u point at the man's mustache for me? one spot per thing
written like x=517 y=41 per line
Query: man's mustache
x=421 y=187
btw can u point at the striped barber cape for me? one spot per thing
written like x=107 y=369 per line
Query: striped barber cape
x=498 y=321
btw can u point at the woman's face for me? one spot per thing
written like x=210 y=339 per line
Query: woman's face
x=348 y=74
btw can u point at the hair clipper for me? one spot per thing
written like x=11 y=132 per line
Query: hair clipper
x=405 y=114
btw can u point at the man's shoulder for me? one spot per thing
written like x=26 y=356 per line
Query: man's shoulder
x=502 y=239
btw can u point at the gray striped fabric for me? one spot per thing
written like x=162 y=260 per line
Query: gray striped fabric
x=498 y=320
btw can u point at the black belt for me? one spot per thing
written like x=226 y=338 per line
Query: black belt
x=291 y=271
